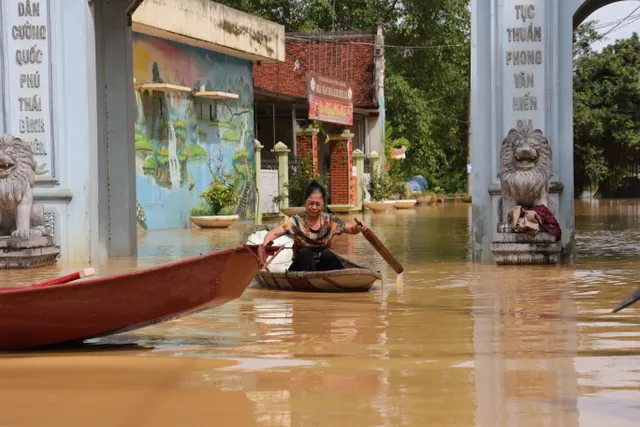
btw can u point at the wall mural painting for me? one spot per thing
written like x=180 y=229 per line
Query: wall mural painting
x=182 y=140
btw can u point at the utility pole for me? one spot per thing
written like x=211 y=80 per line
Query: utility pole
x=469 y=130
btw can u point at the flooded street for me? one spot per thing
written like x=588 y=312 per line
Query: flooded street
x=449 y=343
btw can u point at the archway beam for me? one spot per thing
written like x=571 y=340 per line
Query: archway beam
x=587 y=8
x=131 y=8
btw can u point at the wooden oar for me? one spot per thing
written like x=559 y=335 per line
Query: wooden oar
x=634 y=297
x=68 y=278
x=382 y=249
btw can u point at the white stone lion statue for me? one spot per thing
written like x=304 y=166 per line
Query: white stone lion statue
x=19 y=216
x=525 y=172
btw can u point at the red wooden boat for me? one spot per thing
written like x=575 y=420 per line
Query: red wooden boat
x=38 y=315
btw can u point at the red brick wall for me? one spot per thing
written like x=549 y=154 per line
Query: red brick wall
x=303 y=146
x=339 y=172
x=357 y=66
x=307 y=146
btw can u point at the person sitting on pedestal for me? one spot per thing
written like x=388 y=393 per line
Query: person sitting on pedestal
x=312 y=232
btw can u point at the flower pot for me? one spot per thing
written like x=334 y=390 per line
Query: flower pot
x=292 y=210
x=379 y=206
x=404 y=204
x=426 y=200
x=214 y=221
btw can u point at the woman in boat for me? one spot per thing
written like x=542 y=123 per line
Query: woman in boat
x=312 y=232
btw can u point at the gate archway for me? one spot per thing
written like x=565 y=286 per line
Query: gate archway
x=499 y=100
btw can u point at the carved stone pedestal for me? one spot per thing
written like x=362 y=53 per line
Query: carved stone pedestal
x=27 y=253
x=522 y=249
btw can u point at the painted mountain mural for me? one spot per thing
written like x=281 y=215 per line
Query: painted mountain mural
x=182 y=140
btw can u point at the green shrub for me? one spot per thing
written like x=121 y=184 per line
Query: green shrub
x=222 y=193
x=202 y=210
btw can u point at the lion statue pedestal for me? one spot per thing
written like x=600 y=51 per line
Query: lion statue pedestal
x=522 y=249
x=525 y=175
x=25 y=242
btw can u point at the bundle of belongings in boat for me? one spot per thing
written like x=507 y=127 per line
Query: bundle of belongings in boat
x=531 y=220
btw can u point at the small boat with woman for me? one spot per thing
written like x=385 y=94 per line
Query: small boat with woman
x=305 y=261
x=350 y=277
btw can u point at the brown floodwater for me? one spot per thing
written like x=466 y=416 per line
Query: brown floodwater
x=449 y=343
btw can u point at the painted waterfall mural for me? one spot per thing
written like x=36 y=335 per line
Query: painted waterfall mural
x=181 y=140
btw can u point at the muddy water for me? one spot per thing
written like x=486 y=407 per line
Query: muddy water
x=449 y=343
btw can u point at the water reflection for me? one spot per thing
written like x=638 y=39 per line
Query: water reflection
x=525 y=344
x=449 y=343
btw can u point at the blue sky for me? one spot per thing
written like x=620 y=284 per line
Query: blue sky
x=615 y=12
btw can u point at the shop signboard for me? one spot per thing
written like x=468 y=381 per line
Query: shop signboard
x=330 y=100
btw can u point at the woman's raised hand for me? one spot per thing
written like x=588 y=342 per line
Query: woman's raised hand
x=358 y=227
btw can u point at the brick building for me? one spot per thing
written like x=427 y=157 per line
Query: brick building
x=282 y=106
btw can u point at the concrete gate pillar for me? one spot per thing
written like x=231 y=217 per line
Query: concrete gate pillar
x=84 y=148
x=521 y=73
x=282 y=151
x=257 y=158
x=116 y=149
x=358 y=159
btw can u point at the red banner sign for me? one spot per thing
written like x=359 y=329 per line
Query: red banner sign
x=330 y=100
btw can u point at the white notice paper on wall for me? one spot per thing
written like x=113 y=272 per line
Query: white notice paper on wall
x=269 y=190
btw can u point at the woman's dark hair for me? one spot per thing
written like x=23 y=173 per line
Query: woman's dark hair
x=315 y=187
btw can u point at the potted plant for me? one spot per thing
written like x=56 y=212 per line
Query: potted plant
x=401 y=193
x=217 y=203
x=380 y=191
x=426 y=197
x=439 y=194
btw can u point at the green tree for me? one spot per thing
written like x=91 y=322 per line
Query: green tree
x=606 y=110
x=391 y=142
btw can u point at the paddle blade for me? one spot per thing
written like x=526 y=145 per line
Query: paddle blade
x=381 y=249
x=635 y=296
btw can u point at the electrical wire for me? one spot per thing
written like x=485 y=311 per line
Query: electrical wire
x=600 y=26
x=617 y=25
x=630 y=22
x=385 y=46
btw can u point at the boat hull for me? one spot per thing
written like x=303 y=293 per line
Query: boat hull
x=37 y=316
x=352 y=279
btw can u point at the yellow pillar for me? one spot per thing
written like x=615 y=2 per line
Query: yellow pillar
x=282 y=151
x=358 y=158
x=258 y=168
